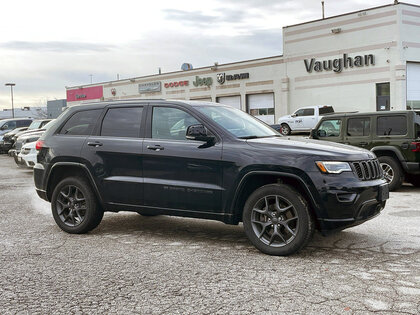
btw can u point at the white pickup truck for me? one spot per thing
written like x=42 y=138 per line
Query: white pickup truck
x=303 y=119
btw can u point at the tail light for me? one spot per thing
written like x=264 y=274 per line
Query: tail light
x=39 y=144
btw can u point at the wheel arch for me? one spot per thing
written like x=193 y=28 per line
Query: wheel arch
x=256 y=179
x=61 y=170
x=391 y=152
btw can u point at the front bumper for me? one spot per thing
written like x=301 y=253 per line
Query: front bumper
x=345 y=201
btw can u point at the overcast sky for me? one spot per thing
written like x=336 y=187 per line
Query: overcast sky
x=46 y=45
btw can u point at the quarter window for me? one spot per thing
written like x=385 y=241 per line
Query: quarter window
x=171 y=123
x=391 y=125
x=357 y=127
x=122 y=122
x=81 y=123
x=330 y=127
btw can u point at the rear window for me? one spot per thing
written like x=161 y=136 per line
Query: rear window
x=81 y=123
x=357 y=127
x=326 y=110
x=391 y=125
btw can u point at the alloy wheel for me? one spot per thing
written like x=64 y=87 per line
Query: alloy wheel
x=388 y=172
x=274 y=220
x=71 y=205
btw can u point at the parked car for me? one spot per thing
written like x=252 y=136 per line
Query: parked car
x=7 y=138
x=394 y=136
x=27 y=155
x=302 y=120
x=30 y=136
x=202 y=160
x=7 y=125
x=36 y=125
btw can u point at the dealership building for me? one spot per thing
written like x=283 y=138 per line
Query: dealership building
x=367 y=60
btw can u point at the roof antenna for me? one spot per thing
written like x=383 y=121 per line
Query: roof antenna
x=323 y=10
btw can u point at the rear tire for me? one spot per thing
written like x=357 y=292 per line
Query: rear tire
x=285 y=130
x=277 y=220
x=74 y=206
x=393 y=172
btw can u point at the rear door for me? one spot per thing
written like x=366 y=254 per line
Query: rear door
x=358 y=132
x=180 y=174
x=114 y=155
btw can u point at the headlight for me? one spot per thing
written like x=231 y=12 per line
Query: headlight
x=333 y=167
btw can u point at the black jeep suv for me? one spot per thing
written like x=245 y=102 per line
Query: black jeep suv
x=202 y=160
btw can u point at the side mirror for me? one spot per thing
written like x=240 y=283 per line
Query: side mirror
x=199 y=133
x=321 y=133
x=293 y=115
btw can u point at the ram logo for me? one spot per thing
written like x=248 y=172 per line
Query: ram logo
x=221 y=77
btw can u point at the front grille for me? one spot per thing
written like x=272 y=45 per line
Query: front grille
x=367 y=170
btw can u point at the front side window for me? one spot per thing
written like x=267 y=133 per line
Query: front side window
x=81 y=123
x=330 y=128
x=391 y=125
x=171 y=123
x=357 y=127
x=299 y=112
x=122 y=122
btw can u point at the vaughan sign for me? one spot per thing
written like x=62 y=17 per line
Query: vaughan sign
x=337 y=65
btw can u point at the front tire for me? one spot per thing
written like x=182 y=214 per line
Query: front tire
x=285 y=130
x=393 y=172
x=277 y=220
x=74 y=206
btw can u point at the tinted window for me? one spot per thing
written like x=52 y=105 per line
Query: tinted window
x=391 y=125
x=81 y=123
x=308 y=112
x=171 y=123
x=9 y=125
x=325 y=110
x=358 y=127
x=331 y=127
x=122 y=122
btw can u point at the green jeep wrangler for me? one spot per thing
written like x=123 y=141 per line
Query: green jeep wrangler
x=393 y=136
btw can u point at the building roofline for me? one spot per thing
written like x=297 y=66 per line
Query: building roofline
x=173 y=72
x=353 y=12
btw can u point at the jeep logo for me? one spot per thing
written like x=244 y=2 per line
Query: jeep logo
x=203 y=81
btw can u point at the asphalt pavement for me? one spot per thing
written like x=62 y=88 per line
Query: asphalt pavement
x=168 y=265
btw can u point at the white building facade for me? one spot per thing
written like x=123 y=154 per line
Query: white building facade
x=361 y=61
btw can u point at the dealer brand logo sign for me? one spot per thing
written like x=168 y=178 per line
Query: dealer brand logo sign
x=337 y=65
x=222 y=77
x=176 y=84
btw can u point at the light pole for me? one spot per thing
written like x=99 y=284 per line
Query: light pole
x=11 y=91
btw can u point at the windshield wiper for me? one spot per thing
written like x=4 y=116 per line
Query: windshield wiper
x=256 y=137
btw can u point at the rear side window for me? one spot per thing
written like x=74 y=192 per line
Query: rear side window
x=357 y=127
x=122 y=122
x=81 y=123
x=24 y=123
x=391 y=125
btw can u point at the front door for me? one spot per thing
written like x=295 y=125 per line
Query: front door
x=180 y=174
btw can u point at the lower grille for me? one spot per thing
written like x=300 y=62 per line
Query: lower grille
x=367 y=170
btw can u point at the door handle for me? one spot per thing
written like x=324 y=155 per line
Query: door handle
x=363 y=144
x=95 y=144
x=155 y=147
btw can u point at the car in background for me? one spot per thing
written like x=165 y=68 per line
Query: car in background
x=394 y=136
x=29 y=136
x=7 y=125
x=303 y=119
x=36 y=125
x=7 y=138
x=27 y=155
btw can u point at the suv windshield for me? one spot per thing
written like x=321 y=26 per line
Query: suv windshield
x=35 y=124
x=238 y=123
